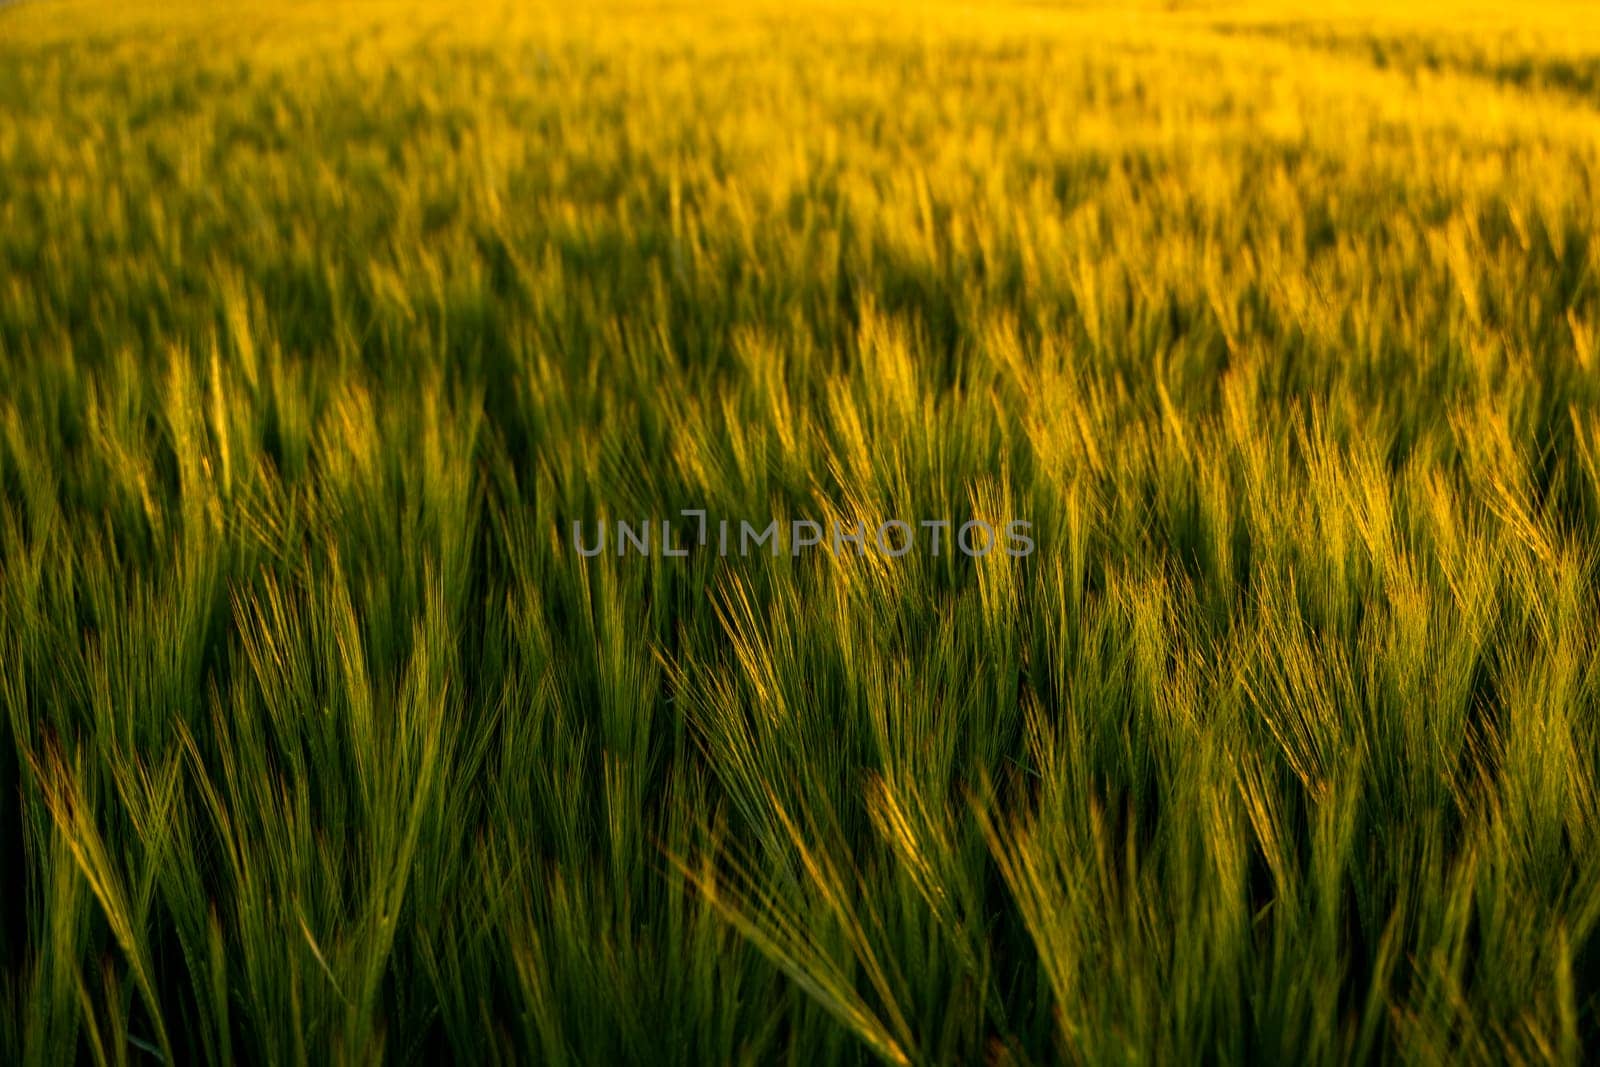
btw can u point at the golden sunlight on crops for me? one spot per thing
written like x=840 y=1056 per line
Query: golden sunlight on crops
x=800 y=531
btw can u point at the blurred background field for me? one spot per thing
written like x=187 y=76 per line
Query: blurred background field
x=321 y=324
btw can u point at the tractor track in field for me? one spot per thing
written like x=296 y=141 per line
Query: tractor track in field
x=1575 y=78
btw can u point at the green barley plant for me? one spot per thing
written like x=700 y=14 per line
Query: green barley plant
x=332 y=337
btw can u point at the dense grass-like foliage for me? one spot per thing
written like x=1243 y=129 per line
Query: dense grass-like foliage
x=320 y=325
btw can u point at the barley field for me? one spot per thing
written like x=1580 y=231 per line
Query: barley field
x=332 y=337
